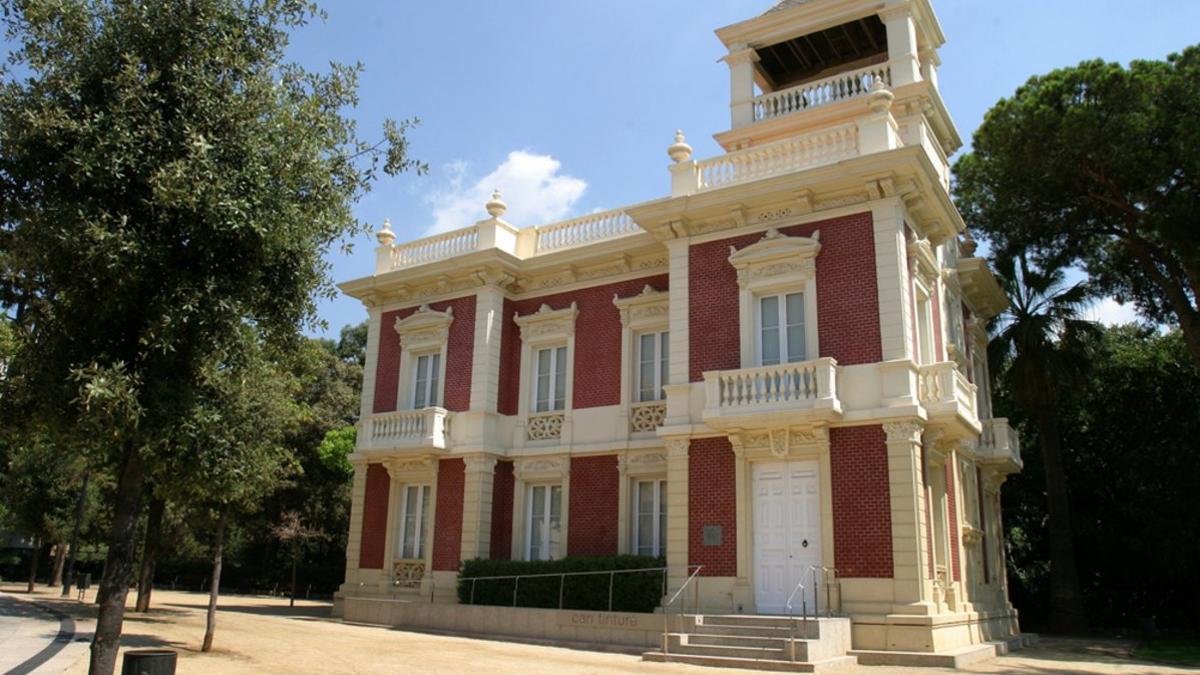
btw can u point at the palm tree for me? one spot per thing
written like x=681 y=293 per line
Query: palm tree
x=1037 y=349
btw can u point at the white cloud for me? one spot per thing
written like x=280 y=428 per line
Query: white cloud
x=1110 y=313
x=532 y=186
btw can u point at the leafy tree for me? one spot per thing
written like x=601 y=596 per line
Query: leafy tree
x=336 y=447
x=166 y=179
x=1097 y=165
x=1128 y=434
x=1037 y=349
x=230 y=453
x=352 y=345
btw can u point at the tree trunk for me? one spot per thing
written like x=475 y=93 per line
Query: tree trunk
x=118 y=564
x=150 y=554
x=295 y=563
x=60 y=558
x=33 y=563
x=80 y=507
x=215 y=587
x=1066 y=599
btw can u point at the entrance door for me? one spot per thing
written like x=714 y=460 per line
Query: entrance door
x=787 y=531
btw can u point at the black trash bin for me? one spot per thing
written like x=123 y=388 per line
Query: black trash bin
x=149 y=662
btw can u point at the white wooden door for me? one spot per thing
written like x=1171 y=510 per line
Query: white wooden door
x=787 y=531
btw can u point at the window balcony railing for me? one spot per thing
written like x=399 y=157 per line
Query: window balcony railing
x=999 y=444
x=647 y=416
x=787 y=393
x=944 y=390
x=545 y=426
x=424 y=428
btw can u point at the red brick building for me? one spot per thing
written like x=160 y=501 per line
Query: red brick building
x=776 y=371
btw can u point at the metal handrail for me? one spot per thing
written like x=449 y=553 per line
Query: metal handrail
x=792 y=618
x=666 y=607
x=562 y=581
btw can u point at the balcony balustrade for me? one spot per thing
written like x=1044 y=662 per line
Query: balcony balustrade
x=947 y=394
x=788 y=393
x=424 y=428
x=494 y=234
x=821 y=92
x=1000 y=445
x=826 y=146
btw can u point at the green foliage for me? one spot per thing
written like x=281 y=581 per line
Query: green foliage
x=631 y=592
x=336 y=447
x=1128 y=431
x=39 y=485
x=1097 y=165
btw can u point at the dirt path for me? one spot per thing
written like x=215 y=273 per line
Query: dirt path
x=262 y=635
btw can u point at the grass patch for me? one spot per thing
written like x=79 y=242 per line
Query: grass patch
x=1176 y=650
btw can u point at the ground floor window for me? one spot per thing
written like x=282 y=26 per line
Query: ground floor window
x=414 y=505
x=650 y=517
x=543 y=538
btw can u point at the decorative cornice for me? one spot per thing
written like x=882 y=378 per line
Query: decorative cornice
x=779 y=442
x=677 y=447
x=401 y=465
x=480 y=463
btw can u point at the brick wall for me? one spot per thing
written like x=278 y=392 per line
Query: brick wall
x=952 y=506
x=592 y=529
x=447 y=526
x=456 y=390
x=374 y=522
x=597 y=376
x=502 y=509
x=712 y=500
x=862 y=521
x=847 y=296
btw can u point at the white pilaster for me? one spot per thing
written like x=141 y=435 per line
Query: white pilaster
x=678 y=392
x=677 y=512
x=371 y=364
x=741 y=86
x=910 y=591
x=891 y=270
x=477 y=506
x=902 y=43
x=485 y=361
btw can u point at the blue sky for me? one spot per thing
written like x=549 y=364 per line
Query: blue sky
x=568 y=107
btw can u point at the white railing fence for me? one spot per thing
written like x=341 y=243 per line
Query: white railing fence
x=823 y=147
x=821 y=92
x=594 y=227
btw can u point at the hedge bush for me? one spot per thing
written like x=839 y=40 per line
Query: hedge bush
x=631 y=592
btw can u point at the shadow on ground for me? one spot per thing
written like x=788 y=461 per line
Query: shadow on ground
x=319 y=612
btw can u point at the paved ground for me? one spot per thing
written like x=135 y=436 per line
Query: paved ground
x=264 y=635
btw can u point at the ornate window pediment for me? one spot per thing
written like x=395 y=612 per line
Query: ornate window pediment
x=530 y=469
x=425 y=328
x=546 y=325
x=776 y=259
x=646 y=309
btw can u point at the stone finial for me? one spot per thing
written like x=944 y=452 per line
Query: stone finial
x=880 y=98
x=385 y=234
x=679 y=151
x=496 y=206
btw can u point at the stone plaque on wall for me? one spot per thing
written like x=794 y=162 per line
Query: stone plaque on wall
x=712 y=535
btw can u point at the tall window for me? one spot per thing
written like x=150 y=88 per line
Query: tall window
x=781 y=329
x=650 y=517
x=924 y=329
x=652 y=366
x=543 y=534
x=550 y=381
x=414 y=505
x=425 y=380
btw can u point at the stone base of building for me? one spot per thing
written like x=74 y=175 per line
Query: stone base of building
x=625 y=631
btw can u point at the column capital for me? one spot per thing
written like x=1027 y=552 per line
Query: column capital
x=480 y=463
x=904 y=431
x=677 y=447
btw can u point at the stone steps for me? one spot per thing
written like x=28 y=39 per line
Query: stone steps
x=826 y=665
x=759 y=643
